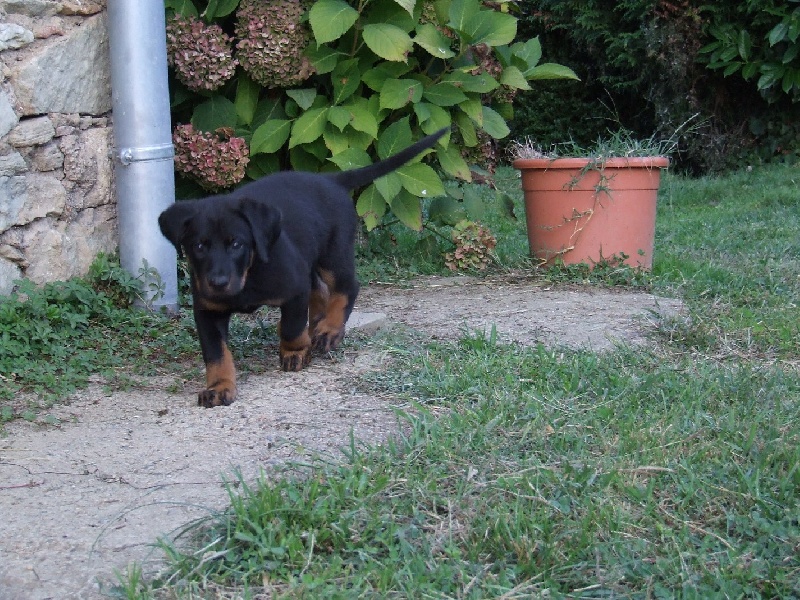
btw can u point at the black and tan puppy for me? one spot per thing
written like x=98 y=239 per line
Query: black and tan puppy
x=285 y=240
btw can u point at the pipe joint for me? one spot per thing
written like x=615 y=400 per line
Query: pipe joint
x=128 y=156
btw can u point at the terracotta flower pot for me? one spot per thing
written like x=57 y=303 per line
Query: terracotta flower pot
x=583 y=213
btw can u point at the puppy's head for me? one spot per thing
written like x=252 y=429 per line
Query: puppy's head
x=221 y=238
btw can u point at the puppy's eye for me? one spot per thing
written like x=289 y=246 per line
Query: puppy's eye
x=199 y=246
x=236 y=244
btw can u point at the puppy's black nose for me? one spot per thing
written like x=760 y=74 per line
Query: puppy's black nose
x=218 y=282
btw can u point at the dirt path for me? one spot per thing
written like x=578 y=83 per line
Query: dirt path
x=90 y=495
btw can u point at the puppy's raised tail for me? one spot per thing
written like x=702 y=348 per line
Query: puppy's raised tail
x=361 y=177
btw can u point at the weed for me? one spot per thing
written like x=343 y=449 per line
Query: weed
x=617 y=143
x=54 y=337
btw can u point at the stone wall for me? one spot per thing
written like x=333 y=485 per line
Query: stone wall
x=57 y=206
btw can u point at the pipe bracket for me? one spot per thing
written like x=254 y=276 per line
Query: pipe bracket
x=128 y=156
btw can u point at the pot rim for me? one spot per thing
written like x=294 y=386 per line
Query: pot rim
x=647 y=162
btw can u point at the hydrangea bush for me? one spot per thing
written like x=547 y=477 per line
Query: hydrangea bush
x=339 y=84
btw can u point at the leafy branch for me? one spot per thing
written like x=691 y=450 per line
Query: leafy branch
x=371 y=77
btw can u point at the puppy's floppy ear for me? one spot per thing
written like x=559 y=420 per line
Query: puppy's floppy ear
x=264 y=222
x=174 y=221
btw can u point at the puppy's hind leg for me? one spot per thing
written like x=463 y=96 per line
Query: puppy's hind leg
x=318 y=303
x=328 y=333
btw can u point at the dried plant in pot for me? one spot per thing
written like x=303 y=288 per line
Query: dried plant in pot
x=592 y=205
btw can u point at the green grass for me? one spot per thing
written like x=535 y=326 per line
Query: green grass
x=532 y=471
x=730 y=247
x=666 y=472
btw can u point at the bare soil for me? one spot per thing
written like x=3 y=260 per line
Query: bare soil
x=85 y=497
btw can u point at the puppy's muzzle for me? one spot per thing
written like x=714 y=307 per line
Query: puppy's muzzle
x=218 y=283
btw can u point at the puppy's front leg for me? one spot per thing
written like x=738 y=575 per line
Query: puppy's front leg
x=295 y=349
x=212 y=328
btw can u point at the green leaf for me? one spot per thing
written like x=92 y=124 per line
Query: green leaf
x=389 y=12
x=371 y=207
x=460 y=12
x=494 y=124
x=394 y=138
x=505 y=110
x=339 y=117
x=387 y=41
x=749 y=70
x=507 y=203
x=529 y=52
x=467 y=129
x=408 y=209
x=270 y=137
x=444 y=94
x=375 y=78
x=482 y=83
x=438 y=118
x=267 y=109
x=389 y=185
x=433 y=41
x=219 y=8
x=788 y=81
x=304 y=98
x=731 y=69
x=246 y=99
x=491 y=28
x=346 y=79
x=214 y=113
x=778 y=33
x=352 y=158
x=453 y=163
x=423 y=111
x=396 y=93
x=262 y=164
x=551 y=71
x=308 y=127
x=361 y=118
x=794 y=30
x=744 y=44
x=302 y=160
x=420 y=180
x=790 y=54
x=182 y=7
x=408 y=5
x=323 y=58
x=473 y=109
x=513 y=78
x=474 y=204
x=446 y=210
x=335 y=141
x=331 y=19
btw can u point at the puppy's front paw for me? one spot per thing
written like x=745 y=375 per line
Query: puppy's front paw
x=295 y=360
x=212 y=397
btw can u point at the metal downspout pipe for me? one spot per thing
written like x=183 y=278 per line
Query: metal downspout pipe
x=143 y=153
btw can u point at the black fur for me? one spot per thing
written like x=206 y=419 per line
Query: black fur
x=285 y=240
